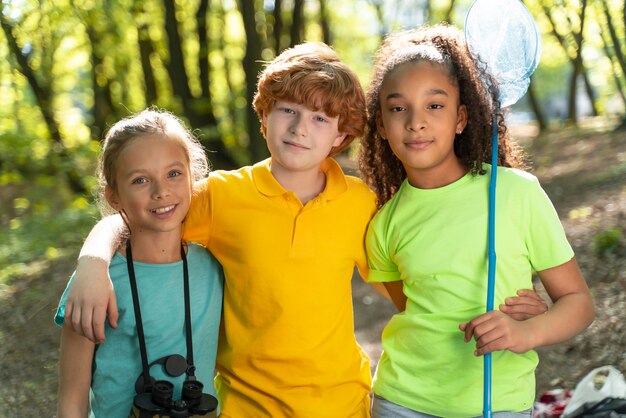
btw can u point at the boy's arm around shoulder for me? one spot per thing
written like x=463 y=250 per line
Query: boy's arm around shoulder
x=91 y=295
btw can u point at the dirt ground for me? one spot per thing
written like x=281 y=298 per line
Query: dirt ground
x=584 y=174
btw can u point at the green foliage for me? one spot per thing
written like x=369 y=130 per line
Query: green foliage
x=608 y=241
x=42 y=231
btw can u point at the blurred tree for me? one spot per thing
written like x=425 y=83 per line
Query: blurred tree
x=40 y=84
x=297 y=23
x=614 y=46
x=255 y=43
x=567 y=26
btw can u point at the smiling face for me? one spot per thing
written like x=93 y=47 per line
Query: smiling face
x=420 y=115
x=153 y=185
x=299 y=139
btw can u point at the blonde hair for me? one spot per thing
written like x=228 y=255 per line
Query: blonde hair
x=150 y=122
x=312 y=74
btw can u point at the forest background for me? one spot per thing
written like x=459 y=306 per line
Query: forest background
x=71 y=68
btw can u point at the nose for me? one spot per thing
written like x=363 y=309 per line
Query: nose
x=416 y=121
x=160 y=189
x=298 y=126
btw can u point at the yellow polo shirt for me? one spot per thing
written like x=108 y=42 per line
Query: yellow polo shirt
x=288 y=348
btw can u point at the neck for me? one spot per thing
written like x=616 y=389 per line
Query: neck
x=436 y=178
x=159 y=248
x=307 y=185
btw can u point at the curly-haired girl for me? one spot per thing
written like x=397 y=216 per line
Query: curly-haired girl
x=425 y=155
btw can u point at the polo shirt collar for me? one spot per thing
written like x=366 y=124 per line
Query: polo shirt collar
x=267 y=184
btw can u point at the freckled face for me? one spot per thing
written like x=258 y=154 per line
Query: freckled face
x=300 y=139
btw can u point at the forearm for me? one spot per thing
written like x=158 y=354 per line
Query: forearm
x=70 y=409
x=569 y=316
x=75 y=360
x=103 y=239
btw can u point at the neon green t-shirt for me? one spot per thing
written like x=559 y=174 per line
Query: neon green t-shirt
x=436 y=242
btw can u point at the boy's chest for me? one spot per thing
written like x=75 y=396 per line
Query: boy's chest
x=281 y=229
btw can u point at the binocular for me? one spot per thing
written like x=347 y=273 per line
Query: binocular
x=158 y=401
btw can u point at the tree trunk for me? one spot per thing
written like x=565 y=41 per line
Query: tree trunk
x=324 y=23
x=576 y=60
x=536 y=107
x=146 y=51
x=204 y=64
x=102 y=103
x=176 y=65
x=297 y=23
x=590 y=94
x=617 y=43
x=43 y=96
x=278 y=26
x=449 y=11
x=252 y=68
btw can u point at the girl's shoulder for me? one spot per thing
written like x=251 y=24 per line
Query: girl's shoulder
x=516 y=177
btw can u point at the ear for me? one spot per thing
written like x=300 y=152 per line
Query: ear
x=461 y=120
x=339 y=140
x=380 y=127
x=264 y=124
x=112 y=198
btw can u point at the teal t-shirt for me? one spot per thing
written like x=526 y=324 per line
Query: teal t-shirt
x=117 y=362
x=436 y=242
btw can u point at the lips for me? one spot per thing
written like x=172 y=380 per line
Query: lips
x=295 y=145
x=163 y=210
x=418 y=143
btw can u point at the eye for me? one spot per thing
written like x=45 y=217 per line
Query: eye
x=287 y=110
x=139 y=180
x=321 y=119
x=396 y=109
x=175 y=173
x=435 y=106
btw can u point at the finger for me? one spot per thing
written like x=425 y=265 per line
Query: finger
x=112 y=310
x=496 y=345
x=67 y=313
x=86 y=324
x=75 y=320
x=470 y=327
x=530 y=293
x=99 y=316
x=513 y=313
x=526 y=305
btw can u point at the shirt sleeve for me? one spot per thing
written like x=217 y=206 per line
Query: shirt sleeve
x=382 y=268
x=369 y=210
x=59 y=316
x=546 y=240
x=197 y=224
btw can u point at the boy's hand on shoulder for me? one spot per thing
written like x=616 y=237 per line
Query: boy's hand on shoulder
x=90 y=299
x=527 y=304
x=495 y=331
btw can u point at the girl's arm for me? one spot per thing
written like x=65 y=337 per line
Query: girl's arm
x=92 y=296
x=75 y=374
x=570 y=314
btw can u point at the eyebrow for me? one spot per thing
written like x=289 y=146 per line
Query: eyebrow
x=431 y=92
x=131 y=173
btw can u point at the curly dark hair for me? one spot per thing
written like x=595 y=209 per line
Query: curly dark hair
x=379 y=167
